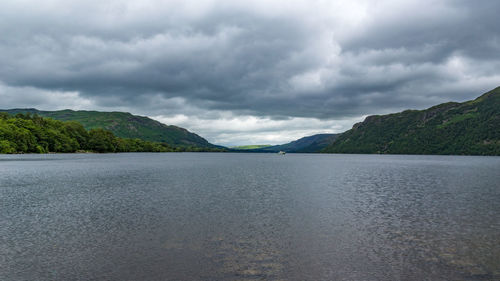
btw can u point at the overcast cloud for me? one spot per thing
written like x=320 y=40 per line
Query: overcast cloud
x=247 y=72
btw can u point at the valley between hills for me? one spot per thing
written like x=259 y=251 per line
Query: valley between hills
x=468 y=128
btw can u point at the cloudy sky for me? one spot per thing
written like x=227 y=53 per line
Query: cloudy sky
x=246 y=72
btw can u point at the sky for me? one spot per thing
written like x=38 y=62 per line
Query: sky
x=247 y=72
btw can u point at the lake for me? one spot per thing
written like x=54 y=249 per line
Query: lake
x=229 y=216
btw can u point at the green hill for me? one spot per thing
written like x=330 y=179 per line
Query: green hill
x=125 y=125
x=26 y=133
x=469 y=128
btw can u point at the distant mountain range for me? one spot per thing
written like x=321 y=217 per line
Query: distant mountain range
x=250 y=146
x=313 y=143
x=125 y=125
x=471 y=128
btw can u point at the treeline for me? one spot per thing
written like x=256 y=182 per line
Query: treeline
x=26 y=133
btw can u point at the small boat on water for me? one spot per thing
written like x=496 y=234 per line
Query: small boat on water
x=281 y=153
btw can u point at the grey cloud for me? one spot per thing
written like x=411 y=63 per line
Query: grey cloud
x=173 y=57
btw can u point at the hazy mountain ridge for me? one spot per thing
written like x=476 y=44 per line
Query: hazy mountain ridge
x=471 y=128
x=251 y=146
x=124 y=125
x=309 y=144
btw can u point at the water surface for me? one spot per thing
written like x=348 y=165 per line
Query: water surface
x=224 y=216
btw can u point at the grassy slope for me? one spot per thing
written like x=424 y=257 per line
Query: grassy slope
x=471 y=128
x=126 y=125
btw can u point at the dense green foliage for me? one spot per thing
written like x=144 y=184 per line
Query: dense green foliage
x=469 y=128
x=26 y=133
x=126 y=125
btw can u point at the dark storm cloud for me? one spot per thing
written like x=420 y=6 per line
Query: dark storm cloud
x=288 y=59
x=468 y=27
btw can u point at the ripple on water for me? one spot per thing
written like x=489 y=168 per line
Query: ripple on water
x=204 y=216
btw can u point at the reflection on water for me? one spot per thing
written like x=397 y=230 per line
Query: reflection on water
x=209 y=216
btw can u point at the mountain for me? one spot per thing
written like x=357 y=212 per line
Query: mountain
x=313 y=143
x=251 y=146
x=468 y=128
x=125 y=125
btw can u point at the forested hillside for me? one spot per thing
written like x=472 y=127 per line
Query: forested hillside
x=26 y=133
x=125 y=125
x=469 y=128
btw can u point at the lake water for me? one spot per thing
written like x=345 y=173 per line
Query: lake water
x=224 y=216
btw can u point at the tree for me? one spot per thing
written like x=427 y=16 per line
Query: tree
x=101 y=140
